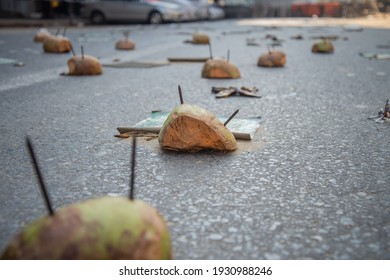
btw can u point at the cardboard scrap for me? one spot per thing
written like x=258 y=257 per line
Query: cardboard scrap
x=6 y=60
x=188 y=59
x=137 y=64
x=244 y=129
x=378 y=56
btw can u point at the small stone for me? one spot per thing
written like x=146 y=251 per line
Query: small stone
x=232 y=230
x=237 y=248
x=317 y=237
x=113 y=194
x=272 y=256
x=215 y=236
x=346 y=221
x=275 y=225
x=182 y=239
x=19 y=64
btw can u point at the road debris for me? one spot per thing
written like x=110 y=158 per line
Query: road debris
x=379 y=56
x=218 y=68
x=84 y=65
x=136 y=64
x=272 y=59
x=41 y=35
x=19 y=64
x=199 y=39
x=222 y=92
x=188 y=59
x=242 y=128
x=297 y=37
x=125 y=43
x=353 y=28
x=269 y=40
x=324 y=46
x=383 y=114
x=326 y=37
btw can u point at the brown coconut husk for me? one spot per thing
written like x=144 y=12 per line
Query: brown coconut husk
x=220 y=69
x=125 y=44
x=105 y=228
x=324 y=46
x=272 y=59
x=201 y=39
x=192 y=128
x=42 y=35
x=57 y=44
x=89 y=65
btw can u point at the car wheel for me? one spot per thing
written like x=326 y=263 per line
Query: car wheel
x=97 y=17
x=155 y=18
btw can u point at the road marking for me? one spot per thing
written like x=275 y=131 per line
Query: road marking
x=31 y=79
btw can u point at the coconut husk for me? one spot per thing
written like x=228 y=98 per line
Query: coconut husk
x=42 y=35
x=57 y=44
x=125 y=44
x=88 y=65
x=201 y=39
x=324 y=46
x=220 y=69
x=192 y=128
x=105 y=228
x=272 y=59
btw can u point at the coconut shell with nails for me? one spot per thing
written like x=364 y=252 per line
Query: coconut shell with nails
x=272 y=59
x=57 y=44
x=41 y=35
x=324 y=46
x=219 y=68
x=192 y=128
x=125 y=43
x=84 y=65
x=200 y=38
x=104 y=228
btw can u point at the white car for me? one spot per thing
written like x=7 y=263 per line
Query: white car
x=202 y=9
x=151 y=11
x=215 y=12
x=189 y=11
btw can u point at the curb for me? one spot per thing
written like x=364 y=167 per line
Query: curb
x=17 y=22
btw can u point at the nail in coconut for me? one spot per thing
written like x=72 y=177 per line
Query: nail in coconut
x=191 y=128
x=272 y=59
x=125 y=43
x=219 y=68
x=57 y=44
x=41 y=35
x=200 y=39
x=102 y=228
x=84 y=65
x=324 y=46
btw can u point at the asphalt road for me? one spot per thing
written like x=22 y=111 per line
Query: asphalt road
x=312 y=184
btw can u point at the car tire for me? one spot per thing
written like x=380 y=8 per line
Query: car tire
x=97 y=17
x=155 y=18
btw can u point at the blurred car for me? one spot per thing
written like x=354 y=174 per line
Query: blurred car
x=321 y=9
x=151 y=11
x=189 y=11
x=202 y=9
x=237 y=8
x=215 y=12
x=384 y=6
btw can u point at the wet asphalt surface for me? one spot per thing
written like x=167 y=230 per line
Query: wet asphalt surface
x=312 y=184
